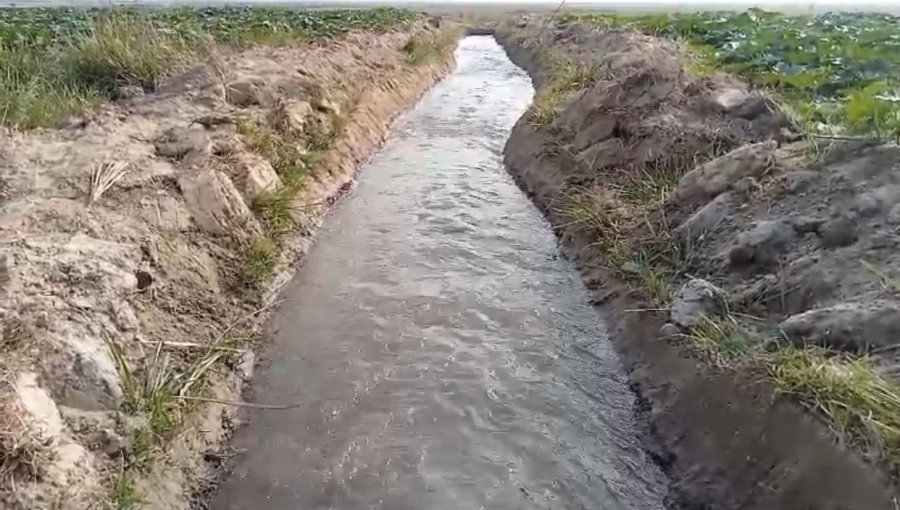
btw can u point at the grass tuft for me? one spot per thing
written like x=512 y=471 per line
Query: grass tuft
x=721 y=340
x=34 y=94
x=125 y=495
x=425 y=47
x=105 y=176
x=567 y=76
x=640 y=269
x=155 y=388
x=260 y=261
x=857 y=401
x=275 y=210
x=287 y=153
x=122 y=50
x=889 y=282
x=22 y=453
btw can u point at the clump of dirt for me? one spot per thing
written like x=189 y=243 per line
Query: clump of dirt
x=723 y=242
x=129 y=239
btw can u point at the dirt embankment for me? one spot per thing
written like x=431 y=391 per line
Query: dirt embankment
x=689 y=207
x=138 y=255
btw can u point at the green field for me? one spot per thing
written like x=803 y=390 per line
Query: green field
x=44 y=27
x=834 y=73
x=58 y=61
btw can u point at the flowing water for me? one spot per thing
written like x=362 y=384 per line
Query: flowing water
x=446 y=354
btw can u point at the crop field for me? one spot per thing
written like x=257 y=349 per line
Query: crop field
x=59 y=60
x=232 y=25
x=835 y=73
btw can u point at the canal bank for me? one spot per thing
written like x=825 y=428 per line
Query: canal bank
x=619 y=115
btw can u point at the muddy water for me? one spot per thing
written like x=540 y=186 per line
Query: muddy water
x=445 y=353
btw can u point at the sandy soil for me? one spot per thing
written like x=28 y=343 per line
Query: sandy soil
x=140 y=287
x=773 y=238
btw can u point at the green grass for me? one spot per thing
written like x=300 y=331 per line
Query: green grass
x=260 y=261
x=640 y=269
x=837 y=73
x=42 y=86
x=275 y=211
x=846 y=391
x=428 y=46
x=33 y=94
x=125 y=495
x=567 y=76
x=156 y=387
x=291 y=156
x=723 y=341
x=856 y=400
x=124 y=50
x=59 y=61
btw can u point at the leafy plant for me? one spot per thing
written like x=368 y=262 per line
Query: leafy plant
x=839 y=72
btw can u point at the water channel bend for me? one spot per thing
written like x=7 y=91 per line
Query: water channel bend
x=446 y=353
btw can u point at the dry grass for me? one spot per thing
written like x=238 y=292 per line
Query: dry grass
x=428 y=46
x=104 y=176
x=124 y=50
x=23 y=456
x=597 y=212
x=889 y=282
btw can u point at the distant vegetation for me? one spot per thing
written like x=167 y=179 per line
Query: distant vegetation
x=834 y=73
x=57 y=61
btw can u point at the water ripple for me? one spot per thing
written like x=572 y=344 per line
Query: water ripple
x=447 y=352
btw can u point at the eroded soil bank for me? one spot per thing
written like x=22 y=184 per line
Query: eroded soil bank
x=612 y=151
x=125 y=306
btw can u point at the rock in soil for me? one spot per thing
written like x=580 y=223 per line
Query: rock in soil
x=840 y=231
x=856 y=326
x=879 y=200
x=291 y=116
x=731 y=98
x=256 y=175
x=216 y=206
x=178 y=142
x=129 y=92
x=695 y=300
x=797 y=181
x=893 y=216
x=763 y=243
x=670 y=332
x=242 y=93
x=709 y=179
x=706 y=219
